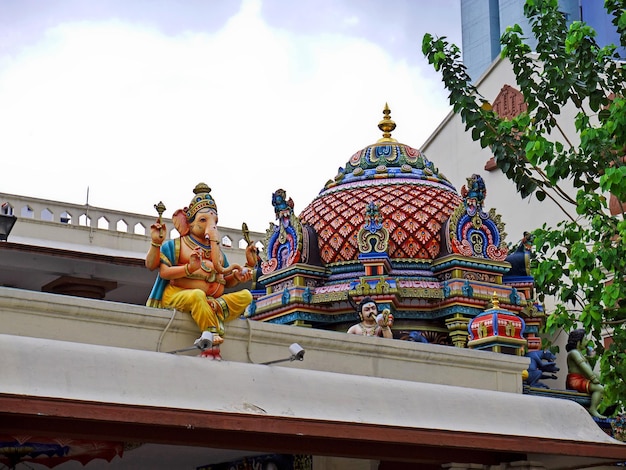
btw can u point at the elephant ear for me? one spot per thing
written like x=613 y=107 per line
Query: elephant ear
x=180 y=222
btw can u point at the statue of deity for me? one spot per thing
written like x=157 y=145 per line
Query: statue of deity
x=193 y=273
x=372 y=323
x=580 y=375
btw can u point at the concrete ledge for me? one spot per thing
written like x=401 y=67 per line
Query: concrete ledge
x=58 y=317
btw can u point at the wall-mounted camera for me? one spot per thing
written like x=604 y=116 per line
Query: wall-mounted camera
x=297 y=352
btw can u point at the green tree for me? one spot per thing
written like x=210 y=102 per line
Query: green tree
x=582 y=260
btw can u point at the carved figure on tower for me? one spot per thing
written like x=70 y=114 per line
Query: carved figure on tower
x=474 y=194
x=472 y=231
x=283 y=241
x=193 y=273
x=373 y=237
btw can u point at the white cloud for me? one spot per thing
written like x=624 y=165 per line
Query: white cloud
x=139 y=116
x=351 y=20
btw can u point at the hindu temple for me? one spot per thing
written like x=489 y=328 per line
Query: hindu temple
x=389 y=225
x=125 y=381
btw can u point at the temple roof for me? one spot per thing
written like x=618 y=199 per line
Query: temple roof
x=142 y=394
x=415 y=200
x=385 y=159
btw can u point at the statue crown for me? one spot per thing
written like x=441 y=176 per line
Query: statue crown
x=201 y=200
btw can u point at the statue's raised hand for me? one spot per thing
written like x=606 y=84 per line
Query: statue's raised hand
x=252 y=255
x=385 y=318
x=195 y=260
x=157 y=232
x=243 y=275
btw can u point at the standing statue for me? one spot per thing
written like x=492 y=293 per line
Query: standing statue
x=580 y=376
x=372 y=323
x=193 y=271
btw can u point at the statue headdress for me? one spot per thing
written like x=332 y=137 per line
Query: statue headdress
x=201 y=200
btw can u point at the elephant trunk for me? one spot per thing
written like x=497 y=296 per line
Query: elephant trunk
x=216 y=257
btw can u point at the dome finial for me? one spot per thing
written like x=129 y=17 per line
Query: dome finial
x=495 y=301
x=387 y=126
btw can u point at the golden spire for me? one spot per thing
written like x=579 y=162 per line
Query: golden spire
x=387 y=126
x=495 y=301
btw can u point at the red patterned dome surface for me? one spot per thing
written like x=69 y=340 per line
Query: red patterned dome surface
x=413 y=211
x=414 y=199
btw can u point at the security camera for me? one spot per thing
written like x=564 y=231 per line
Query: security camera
x=205 y=341
x=297 y=352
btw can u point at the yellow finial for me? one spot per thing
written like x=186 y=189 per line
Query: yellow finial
x=495 y=301
x=387 y=126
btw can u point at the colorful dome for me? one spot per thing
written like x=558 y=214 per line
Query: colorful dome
x=415 y=201
x=498 y=330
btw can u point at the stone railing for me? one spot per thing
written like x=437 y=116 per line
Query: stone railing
x=75 y=214
x=50 y=221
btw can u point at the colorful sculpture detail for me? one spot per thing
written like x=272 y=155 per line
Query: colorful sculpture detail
x=373 y=237
x=417 y=337
x=474 y=194
x=498 y=330
x=193 y=271
x=580 y=375
x=372 y=323
x=474 y=232
x=542 y=366
x=284 y=242
x=521 y=256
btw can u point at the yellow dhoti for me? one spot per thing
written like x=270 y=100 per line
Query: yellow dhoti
x=209 y=313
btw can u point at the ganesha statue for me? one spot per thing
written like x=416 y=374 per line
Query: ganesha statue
x=193 y=272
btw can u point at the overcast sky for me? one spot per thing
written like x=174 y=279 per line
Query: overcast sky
x=139 y=100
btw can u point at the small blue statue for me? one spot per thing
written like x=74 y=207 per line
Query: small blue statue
x=417 y=337
x=542 y=366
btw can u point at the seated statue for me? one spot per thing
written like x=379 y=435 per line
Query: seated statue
x=580 y=376
x=372 y=323
x=193 y=272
